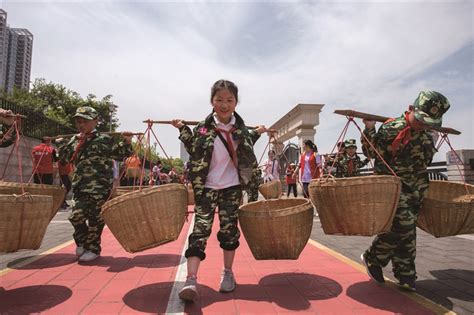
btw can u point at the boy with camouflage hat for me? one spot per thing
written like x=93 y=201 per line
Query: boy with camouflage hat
x=6 y=120
x=408 y=147
x=349 y=163
x=92 y=154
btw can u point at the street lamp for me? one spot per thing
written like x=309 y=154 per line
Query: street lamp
x=112 y=107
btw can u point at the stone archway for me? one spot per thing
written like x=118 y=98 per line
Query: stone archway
x=299 y=122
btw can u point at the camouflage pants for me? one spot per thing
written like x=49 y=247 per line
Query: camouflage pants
x=252 y=193
x=87 y=221
x=228 y=201
x=398 y=245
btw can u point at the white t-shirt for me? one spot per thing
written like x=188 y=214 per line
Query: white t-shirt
x=271 y=170
x=222 y=171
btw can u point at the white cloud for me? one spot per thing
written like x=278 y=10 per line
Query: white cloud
x=160 y=59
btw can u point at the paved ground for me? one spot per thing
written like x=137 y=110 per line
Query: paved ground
x=316 y=283
x=445 y=266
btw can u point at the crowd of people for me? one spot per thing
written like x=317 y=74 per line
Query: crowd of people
x=223 y=163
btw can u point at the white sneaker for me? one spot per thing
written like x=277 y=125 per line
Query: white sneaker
x=189 y=290
x=80 y=251
x=227 y=281
x=88 y=256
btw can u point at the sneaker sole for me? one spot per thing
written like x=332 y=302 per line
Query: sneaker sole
x=367 y=270
x=227 y=291
x=187 y=295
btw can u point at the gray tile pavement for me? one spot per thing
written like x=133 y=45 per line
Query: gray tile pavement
x=445 y=266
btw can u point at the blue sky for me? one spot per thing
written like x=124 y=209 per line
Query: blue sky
x=159 y=60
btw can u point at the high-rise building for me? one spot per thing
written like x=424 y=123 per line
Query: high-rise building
x=3 y=48
x=20 y=51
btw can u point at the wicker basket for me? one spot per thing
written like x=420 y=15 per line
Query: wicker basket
x=278 y=228
x=447 y=209
x=23 y=221
x=57 y=192
x=271 y=190
x=147 y=218
x=190 y=195
x=121 y=190
x=357 y=205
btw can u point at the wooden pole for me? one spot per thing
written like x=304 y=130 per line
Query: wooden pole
x=353 y=113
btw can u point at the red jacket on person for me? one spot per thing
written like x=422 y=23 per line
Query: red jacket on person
x=44 y=155
x=314 y=167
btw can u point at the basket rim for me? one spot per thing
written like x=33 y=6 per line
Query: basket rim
x=6 y=197
x=138 y=193
x=276 y=212
x=31 y=185
x=356 y=180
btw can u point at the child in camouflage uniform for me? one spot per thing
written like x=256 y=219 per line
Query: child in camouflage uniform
x=6 y=120
x=349 y=163
x=222 y=162
x=92 y=154
x=408 y=148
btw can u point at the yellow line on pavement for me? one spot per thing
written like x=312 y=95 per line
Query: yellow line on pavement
x=36 y=257
x=432 y=306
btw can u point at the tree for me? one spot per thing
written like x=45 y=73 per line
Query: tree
x=60 y=103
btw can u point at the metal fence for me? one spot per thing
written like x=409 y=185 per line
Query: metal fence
x=36 y=125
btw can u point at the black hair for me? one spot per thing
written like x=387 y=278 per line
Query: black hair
x=310 y=144
x=225 y=85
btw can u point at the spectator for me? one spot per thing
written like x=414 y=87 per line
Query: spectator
x=44 y=156
x=291 y=179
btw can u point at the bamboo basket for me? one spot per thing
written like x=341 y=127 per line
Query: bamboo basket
x=133 y=172
x=190 y=195
x=57 y=192
x=147 y=218
x=121 y=190
x=23 y=221
x=271 y=189
x=447 y=209
x=278 y=228
x=362 y=205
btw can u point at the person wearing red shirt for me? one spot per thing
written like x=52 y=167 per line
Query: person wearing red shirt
x=44 y=156
x=64 y=171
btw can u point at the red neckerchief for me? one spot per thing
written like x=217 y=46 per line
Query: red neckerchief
x=350 y=166
x=82 y=139
x=228 y=143
x=403 y=137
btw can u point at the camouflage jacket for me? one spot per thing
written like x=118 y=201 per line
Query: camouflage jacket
x=6 y=140
x=410 y=162
x=342 y=165
x=200 y=144
x=94 y=162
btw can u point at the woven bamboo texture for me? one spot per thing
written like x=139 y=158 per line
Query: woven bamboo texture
x=362 y=205
x=121 y=190
x=447 y=209
x=23 y=221
x=271 y=190
x=147 y=218
x=190 y=195
x=277 y=228
x=57 y=192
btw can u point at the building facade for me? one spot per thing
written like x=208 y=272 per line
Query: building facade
x=16 y=51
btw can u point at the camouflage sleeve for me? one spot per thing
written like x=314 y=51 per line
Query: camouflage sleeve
x=65 y=149
x=7 y=136
x=120 y=149
x=254 y=135
x=362 y=163
x=186 y=136
x=366 y=148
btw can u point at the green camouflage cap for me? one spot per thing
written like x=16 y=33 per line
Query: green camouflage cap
x=429 y=107
x=86 y=112
x=350 y=143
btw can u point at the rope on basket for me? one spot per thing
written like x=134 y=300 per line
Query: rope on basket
x=445 y=138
